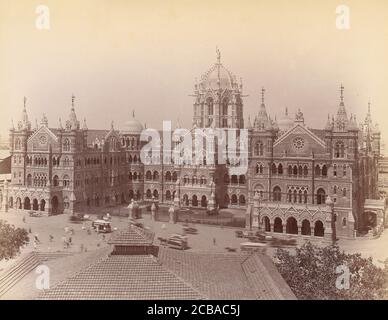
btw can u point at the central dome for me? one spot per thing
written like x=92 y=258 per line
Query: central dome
x=218 y=77
x=132 y=126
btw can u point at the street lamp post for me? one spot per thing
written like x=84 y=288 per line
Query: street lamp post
x=330 y=203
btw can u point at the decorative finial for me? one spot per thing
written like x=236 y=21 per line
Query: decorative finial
x=342 y=92
x=24 y=102
x=12 y=124
x=111 y=125
x=72 y=101
x=218 y=55
x=133 y=113
x=369 y=106
x=262 y=95
x=286 y=111
x=60 y=123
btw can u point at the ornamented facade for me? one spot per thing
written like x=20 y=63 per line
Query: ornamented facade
x=292 y=169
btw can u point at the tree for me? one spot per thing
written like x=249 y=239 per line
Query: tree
x=317 y=273
x=11 y=239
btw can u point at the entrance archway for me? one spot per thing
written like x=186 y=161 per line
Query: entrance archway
x=35 y=205
x=54 y=204
x=267 y=224
x=278 y=225
x=306 y=228
x=27 y=204
x=318 y=229
x=194 y=201
x=203 y=202
x=292 y=226
x=42 y=205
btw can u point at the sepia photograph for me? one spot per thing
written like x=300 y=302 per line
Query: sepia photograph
x=212 y=152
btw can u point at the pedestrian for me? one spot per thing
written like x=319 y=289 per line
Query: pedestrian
x=36 y=238
x=24 y=219
x=35 y=246
x=29 y=230
x=64 y=242
x=70 y=243
x=51 y=238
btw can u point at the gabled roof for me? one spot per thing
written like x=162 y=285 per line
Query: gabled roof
x=45 y=130
x=129 y=277
x=133 y=236
x=5 y=165
x=297 y=129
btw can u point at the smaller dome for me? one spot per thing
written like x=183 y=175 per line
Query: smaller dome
x=285 y=122
x=132 y=126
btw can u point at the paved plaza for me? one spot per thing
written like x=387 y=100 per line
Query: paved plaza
x=209 y=238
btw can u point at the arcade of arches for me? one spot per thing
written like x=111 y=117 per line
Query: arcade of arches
x=291 y=226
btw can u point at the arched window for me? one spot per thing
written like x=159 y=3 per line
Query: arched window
x=156 y=194
x=259 y=148
x=321 y=196
x=174 y=176
x=209 y=103
x=148 y=194
x=339 y=149
x=242 y=200
x=241 y=179
x=203 y=180
x=277 y=194
x=300 y=170
x=344 y=192
x=186 y=200
x=305 y=171
x=324 y=171
x=168 y=195
x=148 y=175
x=289 y=170
x=156 y=175
x=300 y=196
x=226 y=199
x=335 y=170
x=317 y=170
x=55 y=181
x=289 y=196
x=234 y=179
x=234 y=199
x=168 y=176
x=305 y=196
x=280 y=169
x=129 y=159
x=295 y=170
x=18 y=144
x=66 y=145
x=66 y=181
x=335 y=189
x=344 y=222
x=259 y=169
x=194 y=201
x=29 y=180
x=274 y=169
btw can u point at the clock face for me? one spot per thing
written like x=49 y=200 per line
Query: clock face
x=298 y=144
x=42 y=139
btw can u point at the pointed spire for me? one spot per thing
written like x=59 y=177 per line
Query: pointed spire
x=342 y=93
x=72 y=101
x=84 y=126
x=44 y=120
x=262 y=95
x=286 y=113
x=111 y=125
x=60 y=123
x=218 y=55
x=36 y=124
x=24 y=103
x=12 y=125
x=133 y=114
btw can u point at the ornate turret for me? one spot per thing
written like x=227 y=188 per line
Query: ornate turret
x=299 y=118
x=24 y=123
x=72 y=123
x=44 y=120
x=341 y=121
x=262 y=121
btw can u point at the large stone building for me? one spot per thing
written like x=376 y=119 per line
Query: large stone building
x=292 y=169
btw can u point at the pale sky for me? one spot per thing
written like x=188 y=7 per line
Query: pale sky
x=117 y=55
